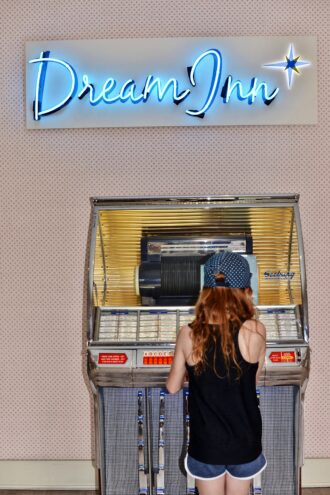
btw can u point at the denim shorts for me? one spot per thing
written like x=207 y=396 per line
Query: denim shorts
x=203 y=471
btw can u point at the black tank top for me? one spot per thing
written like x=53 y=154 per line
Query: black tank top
x=225 y=421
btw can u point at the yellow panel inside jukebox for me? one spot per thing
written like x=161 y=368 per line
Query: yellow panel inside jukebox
x=118 y=247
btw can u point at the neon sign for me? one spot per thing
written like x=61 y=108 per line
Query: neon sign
x=219 y=90
x=155 y=82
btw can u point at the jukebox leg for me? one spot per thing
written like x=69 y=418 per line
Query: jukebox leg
x=256 y=486
x=190 y=479
x=98 y=482
x=144 y=489
x=160 y=476
x=99 y=444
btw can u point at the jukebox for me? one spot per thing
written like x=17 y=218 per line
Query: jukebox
x=146 y=266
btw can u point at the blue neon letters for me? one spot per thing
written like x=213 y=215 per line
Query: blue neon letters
x=111 y=92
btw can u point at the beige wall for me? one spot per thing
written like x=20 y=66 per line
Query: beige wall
x=47 y=178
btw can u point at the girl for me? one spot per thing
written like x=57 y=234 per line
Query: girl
x=223 y=351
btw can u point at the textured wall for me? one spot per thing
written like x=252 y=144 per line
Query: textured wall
x=48 y=176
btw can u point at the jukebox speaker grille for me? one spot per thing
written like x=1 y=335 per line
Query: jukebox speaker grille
x=119 y=410
x=279 y=408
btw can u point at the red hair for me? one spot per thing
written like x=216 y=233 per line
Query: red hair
x=219 y=311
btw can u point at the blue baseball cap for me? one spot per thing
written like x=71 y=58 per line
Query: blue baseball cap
x=235 y=268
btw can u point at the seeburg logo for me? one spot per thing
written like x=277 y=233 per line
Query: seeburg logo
x=206 y=71
x=279 y=275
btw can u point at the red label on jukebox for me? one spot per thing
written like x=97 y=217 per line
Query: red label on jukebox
x=112 y=358
x=283 y=357
x=158 y=358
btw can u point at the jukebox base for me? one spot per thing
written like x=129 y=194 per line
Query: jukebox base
x=159 y=432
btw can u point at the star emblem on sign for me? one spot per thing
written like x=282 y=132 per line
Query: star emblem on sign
x=290 y=65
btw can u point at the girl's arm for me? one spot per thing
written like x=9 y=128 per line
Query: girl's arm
x=175 y=379
x=262 y=353
x=253 y=336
